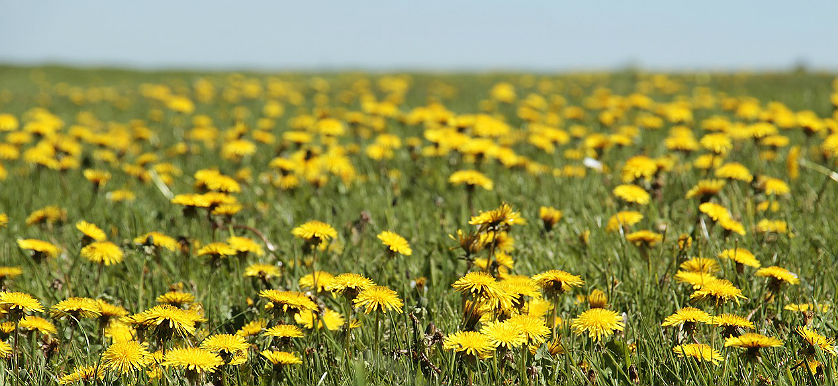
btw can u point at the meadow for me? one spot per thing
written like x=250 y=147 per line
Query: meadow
x=186 y=228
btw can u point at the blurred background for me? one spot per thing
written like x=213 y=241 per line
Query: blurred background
x=547 y=36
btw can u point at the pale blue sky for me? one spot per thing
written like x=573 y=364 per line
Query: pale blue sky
x=430 y=35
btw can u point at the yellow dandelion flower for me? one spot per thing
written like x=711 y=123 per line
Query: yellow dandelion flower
x=262 y=270
x=331 y=319
x=9 y=272
x=245 y=245
x=598 y=323
x=287 y=300
x=349 y=284
x=76 y=308
x=816 y=341
x=126 y=357
x=158 y=240
x=533 y=327
x=378 y=298
x=497 y=219
x=778 y=274
x=315 y=232
x=699 y=351
x=752 y=342
x=469 y=343
x=644 y=238
x=632 y=194
x=226 y=345
x=740 y=256
x=83 y=375
x=718 y=290
x=622 y=220
x=252 y=328
x=705 y=189
x=19 y=303
x=40 y=249
x=686 y=315
x=196 y=360
x=37 y=323
x=91 y=231
x=700 y=264
x=217 y=250
x=470 y=178
x=734 y=171
x=549 y=217
x=555 y=282
x=175 y=298
x=281 y=358
x=395 y=243
x=322 y=279
x=504 y=334
x=102 y=252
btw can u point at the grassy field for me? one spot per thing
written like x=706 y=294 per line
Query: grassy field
x=616 y=185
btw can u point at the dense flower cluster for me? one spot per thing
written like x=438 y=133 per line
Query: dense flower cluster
x=255 y=229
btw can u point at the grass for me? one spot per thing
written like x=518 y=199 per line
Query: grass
x=410 y=195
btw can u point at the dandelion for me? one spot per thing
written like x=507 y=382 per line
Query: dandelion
x=498 y=219
x=718 y=290
x=395 y=243
x=38 y=324
x=281 y=358
x=752 y=343
x=217 y=250
x=40 y=249
x=244 y=245
x=687 y=317
x=471 y=179
x=315 y=232
x=266 y=271
x=158 y=240
x=5 y=349
x=705 y=189
x=815 y=341
x=90 y=232
x=9 y=273
x=83 y=375
x=532 y=327
x=700 y=264
x=76 y=308
x=731 y=324
x=378 y=298
x=228 y=347
x=175 y=298
x=479 y=285
x=741 y=256
x=102 y=252
x=287 y=301
x=644 y=238
x=18 y=304
x=699 y=351
x=632 y=194
x=126 y=357
x=549 y=217
x=598 y=323
x=504 y=335
x=252 y=328
x=195 y=361
x=623 y=220
x=320 y=277
x=556 y=282
x=471 y=343
x=330 y=319
x=348 y=284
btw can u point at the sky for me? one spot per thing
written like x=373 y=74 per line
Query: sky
x=429 y=35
